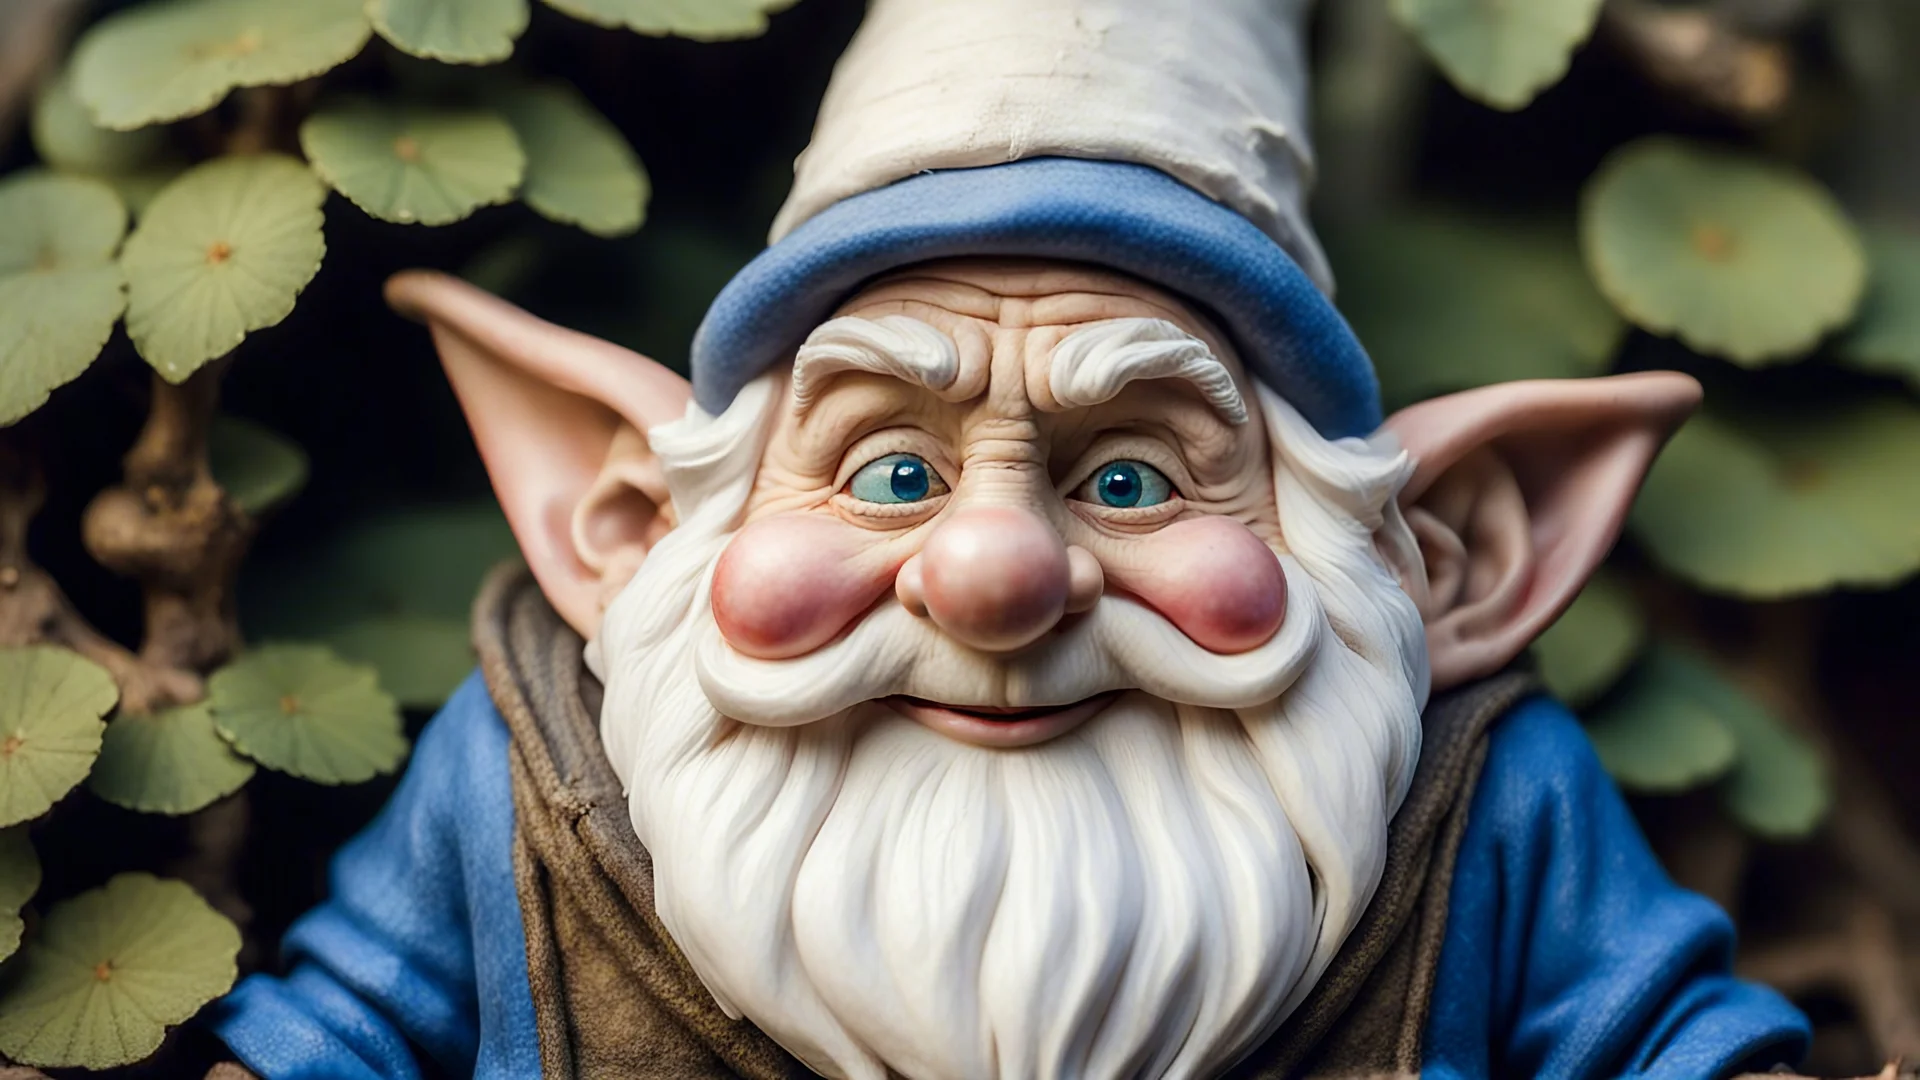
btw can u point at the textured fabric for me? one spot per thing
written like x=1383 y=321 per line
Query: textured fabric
x=1366 y=1015
x=613 y=997
x=1569 y=952
x=417 y=958
x=1124 y=217
x=1566 y=951
x=1213 y=94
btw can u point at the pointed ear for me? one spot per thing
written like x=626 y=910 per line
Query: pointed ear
x=561 y=419
x=1519 y=491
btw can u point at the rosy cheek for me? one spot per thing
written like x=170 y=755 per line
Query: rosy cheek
x=1213 y=579
x=787 y=585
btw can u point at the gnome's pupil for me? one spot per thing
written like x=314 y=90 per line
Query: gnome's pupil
x=910 y=480
x=1120 y=486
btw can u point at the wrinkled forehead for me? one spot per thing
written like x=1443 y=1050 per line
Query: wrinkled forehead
x=989 y=307
x=1026 y=294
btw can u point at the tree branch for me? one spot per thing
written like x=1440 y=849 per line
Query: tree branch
x=170 y=526
x=34 y=611
x=1698 y=54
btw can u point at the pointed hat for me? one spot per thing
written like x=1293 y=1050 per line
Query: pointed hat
x=1161 y=138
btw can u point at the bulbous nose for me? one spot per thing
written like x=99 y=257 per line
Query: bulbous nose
x=997 y=578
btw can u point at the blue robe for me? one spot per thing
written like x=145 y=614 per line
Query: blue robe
x=1568 y=951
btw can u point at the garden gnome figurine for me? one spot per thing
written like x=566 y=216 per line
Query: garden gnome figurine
x=1022 y=650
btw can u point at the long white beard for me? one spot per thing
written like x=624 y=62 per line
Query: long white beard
x=1149 y=895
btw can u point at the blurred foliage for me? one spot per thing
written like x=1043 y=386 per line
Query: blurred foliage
x=216 y=130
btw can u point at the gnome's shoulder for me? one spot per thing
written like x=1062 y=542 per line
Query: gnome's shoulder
x=418 y=952
x=1569 y=951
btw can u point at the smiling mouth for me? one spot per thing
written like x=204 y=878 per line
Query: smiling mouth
x=1002 y=728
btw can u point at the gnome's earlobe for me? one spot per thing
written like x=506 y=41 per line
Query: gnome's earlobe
x=1519 y=491
x=561 y=420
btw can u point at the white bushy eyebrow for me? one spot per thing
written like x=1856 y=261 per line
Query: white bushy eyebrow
x=1093 y=364
x=895 y=345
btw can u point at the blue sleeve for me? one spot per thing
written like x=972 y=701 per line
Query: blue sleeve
x=1568 y=951
x=419 y=948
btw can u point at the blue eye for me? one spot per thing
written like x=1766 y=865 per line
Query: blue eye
x=1125 y=485
x=896 y=478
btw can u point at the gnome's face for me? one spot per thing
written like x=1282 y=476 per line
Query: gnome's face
x=1006 y=684
x=991 y=720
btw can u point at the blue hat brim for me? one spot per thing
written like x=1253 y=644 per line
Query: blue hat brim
x=1126 y=217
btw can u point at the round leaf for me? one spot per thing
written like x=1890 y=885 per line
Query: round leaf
x=166 y=59
x=1666 y=728
x=421 y=658
x=1447 y=302
x=172 y=762
x=1779 y=503
x=1500 y=52
x=451 y=31
x=19 y=880
x=580 y=170
x=430 y=166
x=1736 y=257
x=259 y=468
x=60 y=291
x=223 y=251
x=1779 y=787
x=1593 y=643
x=67 y=138
x=701 y=20
x=51 y=702
x=1886 y=336
x=303 y=710
x=110 y=970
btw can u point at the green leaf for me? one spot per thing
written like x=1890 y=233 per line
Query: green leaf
x=451 y=31
x=701 y=20
x=304 y=711
x=19 y=880
x=166 y=59
x=421 y=658
x=1886 y=336
x=110 y=970
x=394 y=591
x=172 y=762
x=222 y=252
x=580 y=170
x=1737 y=257
x=1593 y=643
x=1447 y=302
x=1667 y=729
x=1779 y=502
x=258 y=467
x=410 y=164
x=51 y=702
x=1500 y=52
x=60 y=292
x=68 y=139
x=1779 y=789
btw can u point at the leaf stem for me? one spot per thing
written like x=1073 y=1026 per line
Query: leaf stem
x=170 y=526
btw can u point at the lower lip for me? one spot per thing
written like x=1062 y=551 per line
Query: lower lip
x=982 y=729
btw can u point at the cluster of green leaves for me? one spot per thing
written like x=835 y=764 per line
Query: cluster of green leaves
x=225 y=247
x=108 y=971
x=1737 y=258
x=127 y=218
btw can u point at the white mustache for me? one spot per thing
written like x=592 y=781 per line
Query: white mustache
x=1119 y=645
